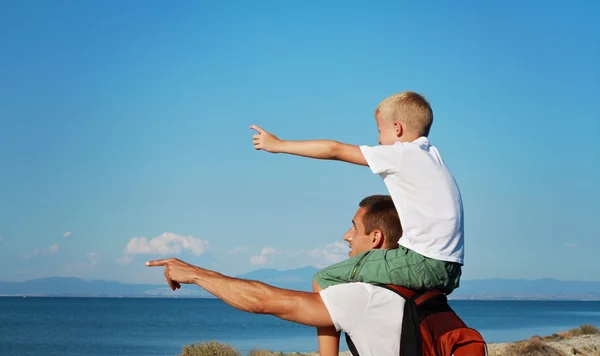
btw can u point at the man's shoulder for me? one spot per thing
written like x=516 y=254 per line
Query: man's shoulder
x=370 y=290
x=349 y=285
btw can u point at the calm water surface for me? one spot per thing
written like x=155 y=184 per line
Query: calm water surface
x=107 y=326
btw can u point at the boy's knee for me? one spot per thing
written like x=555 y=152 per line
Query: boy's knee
x=330 y=276
x=319 y=282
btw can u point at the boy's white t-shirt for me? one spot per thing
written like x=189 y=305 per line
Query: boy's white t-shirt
x=370 y=315
x=426 y=196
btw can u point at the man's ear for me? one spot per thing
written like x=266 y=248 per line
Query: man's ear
x=377 y=239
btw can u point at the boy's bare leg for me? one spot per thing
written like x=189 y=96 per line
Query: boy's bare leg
x=328 y=337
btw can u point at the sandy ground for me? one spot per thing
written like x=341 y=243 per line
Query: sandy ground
x=585 y=345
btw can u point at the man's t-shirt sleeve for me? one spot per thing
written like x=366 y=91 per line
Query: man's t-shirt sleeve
x=383 y=159
x=346 y=304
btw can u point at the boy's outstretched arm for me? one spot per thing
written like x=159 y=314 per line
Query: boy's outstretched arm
x=319 y=149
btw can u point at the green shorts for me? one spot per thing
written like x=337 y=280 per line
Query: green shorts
x=399 y=266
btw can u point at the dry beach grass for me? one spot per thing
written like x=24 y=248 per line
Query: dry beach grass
x=583 y=341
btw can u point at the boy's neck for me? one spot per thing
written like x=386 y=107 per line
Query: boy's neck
x=408 y=138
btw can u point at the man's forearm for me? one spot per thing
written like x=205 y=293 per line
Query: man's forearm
x=246 y=295
x=323 y=149
x=260 y=298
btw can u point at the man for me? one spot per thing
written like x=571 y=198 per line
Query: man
x=370 y=315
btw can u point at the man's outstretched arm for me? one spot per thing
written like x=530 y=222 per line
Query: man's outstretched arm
x=319 y=149
x=249 y=296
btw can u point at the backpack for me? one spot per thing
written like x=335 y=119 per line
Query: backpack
x=431 y=328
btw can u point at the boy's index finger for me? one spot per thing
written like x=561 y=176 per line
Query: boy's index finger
x=257 y=128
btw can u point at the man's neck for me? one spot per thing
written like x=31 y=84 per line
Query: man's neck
x=390 y=246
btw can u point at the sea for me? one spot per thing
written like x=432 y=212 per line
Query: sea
x=149 y=326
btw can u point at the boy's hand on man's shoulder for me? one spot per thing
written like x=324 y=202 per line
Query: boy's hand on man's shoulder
x=264 y=140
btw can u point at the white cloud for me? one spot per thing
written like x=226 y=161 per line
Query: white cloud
x=265 y=257
x=166 y=243
x=125 y=259
x=44 y=251
x=32 y=254
x=332 y=253
x=238 y=249
x=67 y=234
x=93 y=257
x=78 y=269
x=319 y=257
x=571 y=245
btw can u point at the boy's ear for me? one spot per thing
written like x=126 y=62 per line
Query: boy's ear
x=398 y=128
x=377 y=239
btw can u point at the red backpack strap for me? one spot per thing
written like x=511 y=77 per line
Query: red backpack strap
x=409 y=293
x=403 y=291
x=425 y=296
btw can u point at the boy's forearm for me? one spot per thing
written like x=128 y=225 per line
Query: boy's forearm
x=319 y=149
x=323 y=149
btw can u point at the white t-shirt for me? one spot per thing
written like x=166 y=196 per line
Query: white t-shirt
x=426 y=196
x=370 y=315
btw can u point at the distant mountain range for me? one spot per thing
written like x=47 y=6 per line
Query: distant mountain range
x=519 y=289
x=301 y=279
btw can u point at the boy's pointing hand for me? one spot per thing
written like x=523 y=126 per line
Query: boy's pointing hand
x=263 y=140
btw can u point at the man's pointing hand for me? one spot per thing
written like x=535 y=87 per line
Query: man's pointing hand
x=176 y=271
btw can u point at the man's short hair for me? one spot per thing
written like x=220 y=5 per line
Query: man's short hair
x=409 y=108
x=381 y=214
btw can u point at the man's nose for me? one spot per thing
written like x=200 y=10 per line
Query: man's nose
x=348 y=236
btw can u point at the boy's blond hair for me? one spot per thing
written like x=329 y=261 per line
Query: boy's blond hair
x=409 y=108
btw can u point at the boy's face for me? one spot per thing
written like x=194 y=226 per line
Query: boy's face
x=358 y=241
x=389 y=131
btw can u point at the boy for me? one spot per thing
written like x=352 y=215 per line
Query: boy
x=422 y=188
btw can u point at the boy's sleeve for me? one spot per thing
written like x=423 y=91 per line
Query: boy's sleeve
x=383 y=159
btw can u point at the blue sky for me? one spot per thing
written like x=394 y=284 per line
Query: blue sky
x=124 y=130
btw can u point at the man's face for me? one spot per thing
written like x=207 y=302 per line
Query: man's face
x=388 y=130
x=357 y=240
